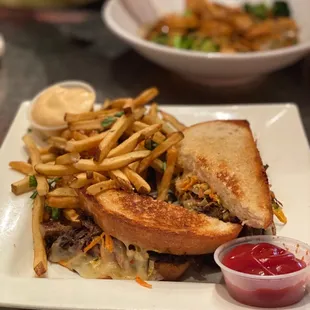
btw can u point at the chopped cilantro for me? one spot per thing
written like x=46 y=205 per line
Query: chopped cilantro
x=32 y=181
x=108 y=121
x=119 y=114
x=55 y=214
x=34 y=195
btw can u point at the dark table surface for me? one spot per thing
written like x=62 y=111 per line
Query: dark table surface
x=40 y=53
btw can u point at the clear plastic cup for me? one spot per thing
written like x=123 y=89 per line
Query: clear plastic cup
x=267 y=291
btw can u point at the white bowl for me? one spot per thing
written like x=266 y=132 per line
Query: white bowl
x=55 y=130
x=126 y=18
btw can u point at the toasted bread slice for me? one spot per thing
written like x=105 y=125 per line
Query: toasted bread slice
x=224 y=155
x=156 y=225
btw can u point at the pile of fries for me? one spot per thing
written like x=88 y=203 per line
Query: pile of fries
x=111 y=148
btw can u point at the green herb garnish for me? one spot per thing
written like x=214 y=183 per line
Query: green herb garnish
x=32 y=181
x=108 y=121
x=164 y=166
x=55 y=214
x=34 y=195
x=119 y=114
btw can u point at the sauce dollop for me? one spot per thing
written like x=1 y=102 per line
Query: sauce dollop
x=263 y=259
x=51 y=106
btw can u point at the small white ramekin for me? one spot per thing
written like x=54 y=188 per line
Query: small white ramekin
x=55 y=130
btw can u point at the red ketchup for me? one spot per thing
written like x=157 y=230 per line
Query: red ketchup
x=264 y=259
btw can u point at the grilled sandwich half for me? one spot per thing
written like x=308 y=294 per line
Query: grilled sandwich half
x=167 y=234
x=223 y=174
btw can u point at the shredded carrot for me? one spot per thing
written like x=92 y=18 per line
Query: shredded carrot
x=94 y=242
x=188 y=183
x=108 y=243
x=214 y=197
x=142 y=282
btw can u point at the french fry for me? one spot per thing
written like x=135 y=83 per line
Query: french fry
x=146 y=96
x=68 y=159
x=44 y=150
x=66 y=134
x=33 y=150
x=71 y=215
x=158 y=136
x=173 y=121
x=102 y=186
x=130 y=144
x=42 y=186
x=57 y=142
x=76 y=135
x=113 y=135
x=153 y=111
x=63 y=191
x=63 y=202
x=39 y=257
x=21 y=187
x=55 y=170
x=80 y=181
x=109 y=164
x=87 y=116
x=22 y=167
x=46 y=158
x=168 y=174
x=85 y=144
x=97 y=177
x=142 y=99
x=121 y=179
x=86 y=125
x=159 y=150
x=167 y=129
x=158 y=165
x=106 y=104
x=120 y=103
x=138 y=182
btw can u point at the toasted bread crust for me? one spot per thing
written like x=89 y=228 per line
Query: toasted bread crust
x=224 y=155
x=156 y=225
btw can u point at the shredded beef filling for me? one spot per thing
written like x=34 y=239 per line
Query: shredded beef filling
x=207 y=205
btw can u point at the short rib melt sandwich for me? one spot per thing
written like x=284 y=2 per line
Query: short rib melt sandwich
x=221 y=189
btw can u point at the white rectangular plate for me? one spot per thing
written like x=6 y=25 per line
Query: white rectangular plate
x=283 y=145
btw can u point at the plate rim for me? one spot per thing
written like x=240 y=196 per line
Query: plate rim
x=13 y=281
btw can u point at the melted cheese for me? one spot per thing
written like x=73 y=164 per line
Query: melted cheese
x=122 y=263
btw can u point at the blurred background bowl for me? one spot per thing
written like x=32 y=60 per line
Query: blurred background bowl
x=126 y=19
